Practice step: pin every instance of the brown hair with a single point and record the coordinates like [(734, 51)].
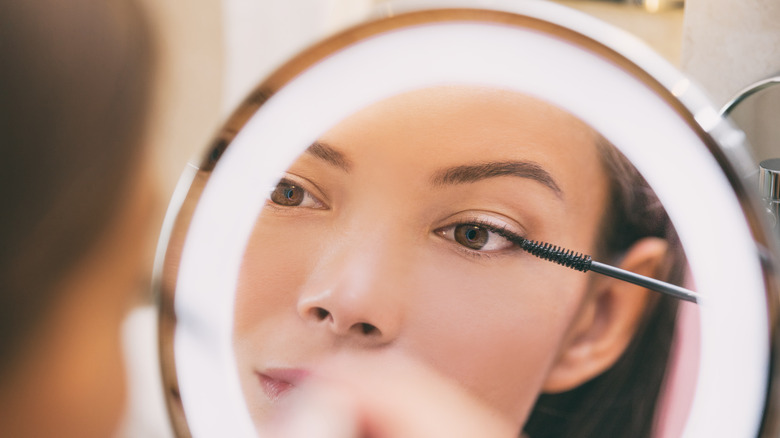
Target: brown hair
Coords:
[(622, 400), (74, 86)]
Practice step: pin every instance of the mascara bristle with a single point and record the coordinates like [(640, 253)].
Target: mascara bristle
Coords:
[(556, 254)]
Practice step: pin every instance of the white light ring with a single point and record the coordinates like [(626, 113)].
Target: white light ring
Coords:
[(729, 397)]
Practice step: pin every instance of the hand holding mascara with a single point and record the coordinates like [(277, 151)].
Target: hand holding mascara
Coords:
[(584, 263)]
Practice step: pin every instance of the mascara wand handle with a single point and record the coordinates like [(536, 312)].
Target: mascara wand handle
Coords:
[(641, 280)]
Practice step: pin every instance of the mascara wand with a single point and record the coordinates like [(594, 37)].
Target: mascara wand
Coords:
[(584, 263)]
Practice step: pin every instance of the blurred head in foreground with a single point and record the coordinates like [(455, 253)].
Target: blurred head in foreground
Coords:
[(74, 92)]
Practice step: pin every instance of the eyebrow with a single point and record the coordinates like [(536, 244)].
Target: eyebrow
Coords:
[(477, 172), (329, 155), (453, 175)]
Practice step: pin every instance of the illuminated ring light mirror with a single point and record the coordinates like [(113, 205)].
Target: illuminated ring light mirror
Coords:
[(693, 159)]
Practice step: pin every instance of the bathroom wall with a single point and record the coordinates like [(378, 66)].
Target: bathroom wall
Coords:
[(189, 94), (729, 44), (260, 36), (662, 30)]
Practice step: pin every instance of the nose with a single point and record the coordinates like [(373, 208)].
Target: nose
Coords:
[(356, 294)]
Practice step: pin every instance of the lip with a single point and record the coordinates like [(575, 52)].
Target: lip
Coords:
[(277, 382)]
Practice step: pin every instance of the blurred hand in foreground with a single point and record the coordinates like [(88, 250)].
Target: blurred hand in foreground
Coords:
[(384, 396)]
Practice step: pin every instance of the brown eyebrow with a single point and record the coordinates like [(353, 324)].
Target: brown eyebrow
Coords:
[(476, 172), (329, 155)]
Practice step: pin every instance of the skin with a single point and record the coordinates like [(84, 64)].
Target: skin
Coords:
[(70, 381), (368, 262)]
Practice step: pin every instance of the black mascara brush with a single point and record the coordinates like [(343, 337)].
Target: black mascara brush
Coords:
[(585, 263)]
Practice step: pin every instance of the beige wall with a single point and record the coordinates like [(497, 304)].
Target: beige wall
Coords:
[(729, 44), (187, 110), (661, 30)]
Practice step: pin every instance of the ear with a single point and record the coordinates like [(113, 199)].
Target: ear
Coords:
[(607, 320)]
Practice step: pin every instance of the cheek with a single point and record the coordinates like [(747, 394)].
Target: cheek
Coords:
[(496, 330), (273, 269), (275, 266)]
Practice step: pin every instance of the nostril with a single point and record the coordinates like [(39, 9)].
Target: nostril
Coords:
[(320, 313), (367, 329)]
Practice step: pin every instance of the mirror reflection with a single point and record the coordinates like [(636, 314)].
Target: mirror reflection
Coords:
[(395, 230)]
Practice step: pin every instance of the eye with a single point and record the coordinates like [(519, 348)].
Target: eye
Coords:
[(289, 194), (478, 237), (471, 236)]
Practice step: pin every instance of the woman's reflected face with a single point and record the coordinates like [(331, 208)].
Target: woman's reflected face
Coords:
[(391, 233)]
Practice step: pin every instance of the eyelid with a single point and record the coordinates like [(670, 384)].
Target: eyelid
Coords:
[(494, 221), (308, 184)]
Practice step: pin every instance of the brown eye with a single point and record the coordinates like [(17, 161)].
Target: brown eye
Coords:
[(287, 194), (471, 236)]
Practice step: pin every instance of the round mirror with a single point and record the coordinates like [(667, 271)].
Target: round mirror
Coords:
[(390, 189)]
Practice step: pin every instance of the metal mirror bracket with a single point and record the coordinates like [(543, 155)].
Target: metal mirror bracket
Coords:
[(768, 169), (747, 92)]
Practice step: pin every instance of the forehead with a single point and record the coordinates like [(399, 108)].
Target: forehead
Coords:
[(449, 126)]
